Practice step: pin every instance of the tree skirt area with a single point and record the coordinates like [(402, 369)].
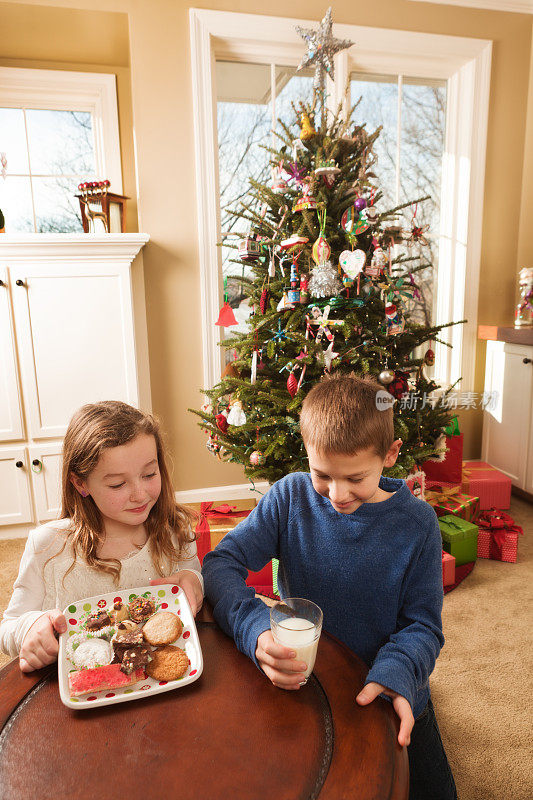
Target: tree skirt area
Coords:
[(482, 683)]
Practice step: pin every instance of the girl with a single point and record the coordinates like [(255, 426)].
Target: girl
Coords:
[(119, 526)]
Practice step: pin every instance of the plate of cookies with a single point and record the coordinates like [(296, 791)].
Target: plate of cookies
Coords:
[(127, 644)]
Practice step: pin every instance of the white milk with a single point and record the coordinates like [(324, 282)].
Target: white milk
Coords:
[(300, 635)]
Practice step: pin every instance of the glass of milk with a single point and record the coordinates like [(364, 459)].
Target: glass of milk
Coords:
[(297, 623)]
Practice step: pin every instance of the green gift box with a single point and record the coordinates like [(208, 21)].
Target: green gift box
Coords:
[(459, 538)]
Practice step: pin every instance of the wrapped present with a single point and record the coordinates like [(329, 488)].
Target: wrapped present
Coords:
[(447, 499), (450, 469), (448, 569), (218, 519), (489, 484), (459, 538), (498, 536), (416, 483)]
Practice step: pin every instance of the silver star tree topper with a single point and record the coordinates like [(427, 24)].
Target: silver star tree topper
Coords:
[(321, 47)]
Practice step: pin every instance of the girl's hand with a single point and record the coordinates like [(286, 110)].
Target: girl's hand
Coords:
[(401, 706), (190, 584), (279, 663), (40, 645)]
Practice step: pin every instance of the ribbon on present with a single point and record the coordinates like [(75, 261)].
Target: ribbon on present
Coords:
[(443, 494), (203, 531), (452, 429)]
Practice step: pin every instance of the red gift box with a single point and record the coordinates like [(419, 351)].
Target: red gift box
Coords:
[(448, 569), (216, 520), (489, 484), (449, 470), (448, 499), (498, 536)]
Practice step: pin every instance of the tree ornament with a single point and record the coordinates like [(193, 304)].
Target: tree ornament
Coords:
[(353, 223), (399, 385), (292, 384), (306, 201), (429, 358), (226, 317), (294, 292), (222, 421), (307, 131), (352, 262), (253, 368), (321, 250), (230, 371), (236, 415), (304, 290), (372, 215), (213, 445), (328, 170), (284, 304), (263, 300), (394, 320), (359, 204), (320, 318), (249, 249), (416, 233), (279, 184), (324, 281), (329, 356), (294, 242), (207, 408), (257, 459), (386, 376), (378, 263), (321, 48), (297, 171)]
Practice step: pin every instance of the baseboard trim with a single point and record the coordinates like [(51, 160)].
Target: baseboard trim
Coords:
[(237, 491)]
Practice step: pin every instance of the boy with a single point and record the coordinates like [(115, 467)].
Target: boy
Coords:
[(361, 547)]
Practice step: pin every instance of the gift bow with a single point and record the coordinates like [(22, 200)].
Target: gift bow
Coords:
[(498, 524), (203, 531), (441, 494)]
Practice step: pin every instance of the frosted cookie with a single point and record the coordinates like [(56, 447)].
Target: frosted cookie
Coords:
[(92, 653), (168, 663), (100, 679), (141, 608), (163, 628)]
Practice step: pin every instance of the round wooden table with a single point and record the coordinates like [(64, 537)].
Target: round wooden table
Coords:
[(230, 735)]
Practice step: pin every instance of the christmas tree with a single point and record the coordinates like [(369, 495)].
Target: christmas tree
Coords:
[(330, 291)]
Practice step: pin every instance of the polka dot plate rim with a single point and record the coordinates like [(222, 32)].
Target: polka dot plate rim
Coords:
[(167, 597)]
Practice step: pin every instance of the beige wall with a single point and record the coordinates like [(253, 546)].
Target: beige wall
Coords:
[(162, 114)]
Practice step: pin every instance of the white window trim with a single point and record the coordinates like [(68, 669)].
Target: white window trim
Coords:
[(518, 6), (464, 62), (61, 90)]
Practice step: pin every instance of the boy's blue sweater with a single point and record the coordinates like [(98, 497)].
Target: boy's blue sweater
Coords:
[(376, 574)]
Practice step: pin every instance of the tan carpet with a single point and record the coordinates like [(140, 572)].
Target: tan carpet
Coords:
[(482, 685)]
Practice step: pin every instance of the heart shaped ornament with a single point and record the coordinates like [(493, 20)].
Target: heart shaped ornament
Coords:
[(352, 262)]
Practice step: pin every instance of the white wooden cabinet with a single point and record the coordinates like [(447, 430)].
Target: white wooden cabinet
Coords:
[(507, 426), (72, 331)]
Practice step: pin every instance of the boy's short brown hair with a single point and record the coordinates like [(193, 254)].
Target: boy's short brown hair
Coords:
[(340, 415)]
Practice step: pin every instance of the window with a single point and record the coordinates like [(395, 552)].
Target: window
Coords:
[(443, 79), (56, 129)]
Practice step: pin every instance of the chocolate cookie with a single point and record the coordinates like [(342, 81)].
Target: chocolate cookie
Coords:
[(168, 663), (141, 608), (163, 628), (98, 620), (134, 658)]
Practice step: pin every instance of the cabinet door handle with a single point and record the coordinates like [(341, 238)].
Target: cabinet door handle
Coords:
[(19, 282), (36, 465), (19, 464), (527, 361)]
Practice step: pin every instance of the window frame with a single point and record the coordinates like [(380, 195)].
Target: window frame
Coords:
[(63, 90), (465, 64)]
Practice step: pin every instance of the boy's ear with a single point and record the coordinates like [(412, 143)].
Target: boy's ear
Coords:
[(393, 453)]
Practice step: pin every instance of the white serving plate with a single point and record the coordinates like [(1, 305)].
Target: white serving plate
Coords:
[(167, 597)]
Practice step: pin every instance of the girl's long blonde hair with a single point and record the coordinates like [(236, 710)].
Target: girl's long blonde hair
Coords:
[(94, 428)]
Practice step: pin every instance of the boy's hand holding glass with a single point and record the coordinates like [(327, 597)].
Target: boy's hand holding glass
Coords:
[(190, 584), (40, 645), (400, 704), (279, 663)]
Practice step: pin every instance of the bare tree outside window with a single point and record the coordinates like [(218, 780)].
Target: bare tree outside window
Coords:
[(48, 153)]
